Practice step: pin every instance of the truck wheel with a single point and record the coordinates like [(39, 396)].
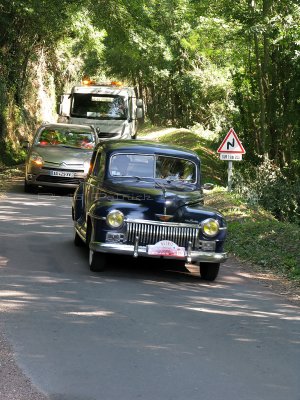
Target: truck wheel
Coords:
[(97, 261), (209, 271)]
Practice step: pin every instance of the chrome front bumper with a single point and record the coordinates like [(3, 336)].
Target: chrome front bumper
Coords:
[(141, 251)]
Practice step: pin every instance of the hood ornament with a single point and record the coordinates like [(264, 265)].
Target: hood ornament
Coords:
[(165, 217)]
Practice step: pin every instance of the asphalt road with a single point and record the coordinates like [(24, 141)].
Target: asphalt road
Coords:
[(135, 331)]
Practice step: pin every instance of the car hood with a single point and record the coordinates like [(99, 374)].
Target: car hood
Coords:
[(169, 199), (65, 155)]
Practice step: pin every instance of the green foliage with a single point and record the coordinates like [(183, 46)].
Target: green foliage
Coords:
[(9, 155), (255, 236), (158, 47), (268, 186), (273, 245)]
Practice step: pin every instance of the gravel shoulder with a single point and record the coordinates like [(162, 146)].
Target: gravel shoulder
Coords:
[(14, 385)]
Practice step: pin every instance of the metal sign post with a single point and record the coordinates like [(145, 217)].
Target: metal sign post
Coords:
[(231, 149), (230, 175)]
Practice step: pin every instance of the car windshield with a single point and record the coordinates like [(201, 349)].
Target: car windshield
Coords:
[(150, 166), (66, 137), (95, 106)]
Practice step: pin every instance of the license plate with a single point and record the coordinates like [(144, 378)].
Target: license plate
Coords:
[(64, 174), (166, 248)]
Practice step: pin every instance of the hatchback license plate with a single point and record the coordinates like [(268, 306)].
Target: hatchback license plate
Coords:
[(64, 174)]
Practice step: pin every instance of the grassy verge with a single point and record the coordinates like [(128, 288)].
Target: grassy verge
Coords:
[(253, 234), (256, 236)]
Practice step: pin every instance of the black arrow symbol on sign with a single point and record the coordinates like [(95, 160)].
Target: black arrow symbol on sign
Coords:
[(230, 144)]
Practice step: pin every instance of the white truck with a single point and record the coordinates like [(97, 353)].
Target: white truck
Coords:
[(112, 109)]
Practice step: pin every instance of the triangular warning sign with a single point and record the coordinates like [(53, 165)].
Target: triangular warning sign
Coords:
[(231, 144)]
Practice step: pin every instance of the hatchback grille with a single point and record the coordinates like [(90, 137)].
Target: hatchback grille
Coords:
[(58, 179), (152, 232), (60, 169)]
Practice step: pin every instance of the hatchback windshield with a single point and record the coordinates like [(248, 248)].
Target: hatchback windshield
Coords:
[(150, 166), (66, 137)]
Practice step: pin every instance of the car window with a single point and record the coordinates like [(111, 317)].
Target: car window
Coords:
[(174, 168), (141, 165), (66, 137), (151, 166)]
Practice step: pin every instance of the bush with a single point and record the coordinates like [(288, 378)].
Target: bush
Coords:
[(268, 186), (9, 155)]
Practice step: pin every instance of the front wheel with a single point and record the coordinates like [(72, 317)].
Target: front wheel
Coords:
[(77, 239), (29, 188), (209, 271), (97, 261)]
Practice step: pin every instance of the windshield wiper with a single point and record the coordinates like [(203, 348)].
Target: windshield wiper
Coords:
[(137, 178)]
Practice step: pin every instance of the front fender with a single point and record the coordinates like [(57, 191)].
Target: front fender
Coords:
[(78, 202), (100, 209)]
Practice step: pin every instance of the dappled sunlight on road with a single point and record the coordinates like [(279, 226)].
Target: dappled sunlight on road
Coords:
[(134, 313)]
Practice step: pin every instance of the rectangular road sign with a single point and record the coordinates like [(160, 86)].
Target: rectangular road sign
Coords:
[(231, 157)]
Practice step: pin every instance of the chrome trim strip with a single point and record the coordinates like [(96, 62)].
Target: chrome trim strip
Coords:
[(151, 222), (117, 248)]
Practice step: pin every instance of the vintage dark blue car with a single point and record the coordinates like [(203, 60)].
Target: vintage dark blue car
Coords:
[(146, 200)]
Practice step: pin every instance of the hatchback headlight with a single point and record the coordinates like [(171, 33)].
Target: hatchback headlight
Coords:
[(210, 227), (37, 160), (115, 218)]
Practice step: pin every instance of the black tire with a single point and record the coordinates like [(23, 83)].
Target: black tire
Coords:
[(77, 239), (97, 261), (209, 271), (29, 188)]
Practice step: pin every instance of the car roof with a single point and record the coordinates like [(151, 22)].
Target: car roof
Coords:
[(66, 126), (146, 147)]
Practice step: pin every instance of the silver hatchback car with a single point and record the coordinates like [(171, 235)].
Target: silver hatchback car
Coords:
[(59, 156)]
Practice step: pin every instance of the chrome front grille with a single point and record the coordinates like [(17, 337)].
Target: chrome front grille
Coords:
[(152, 232)]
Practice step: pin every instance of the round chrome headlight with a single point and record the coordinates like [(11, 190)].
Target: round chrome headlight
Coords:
[(115, 218), (210, 227)]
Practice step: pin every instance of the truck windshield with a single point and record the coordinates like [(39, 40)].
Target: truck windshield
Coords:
[(96, 106)]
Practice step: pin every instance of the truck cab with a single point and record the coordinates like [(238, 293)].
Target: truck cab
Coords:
[(111, 108)]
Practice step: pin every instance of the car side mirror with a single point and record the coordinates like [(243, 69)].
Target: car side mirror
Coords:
[(139, 103), (139, 113), (208, 186)]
